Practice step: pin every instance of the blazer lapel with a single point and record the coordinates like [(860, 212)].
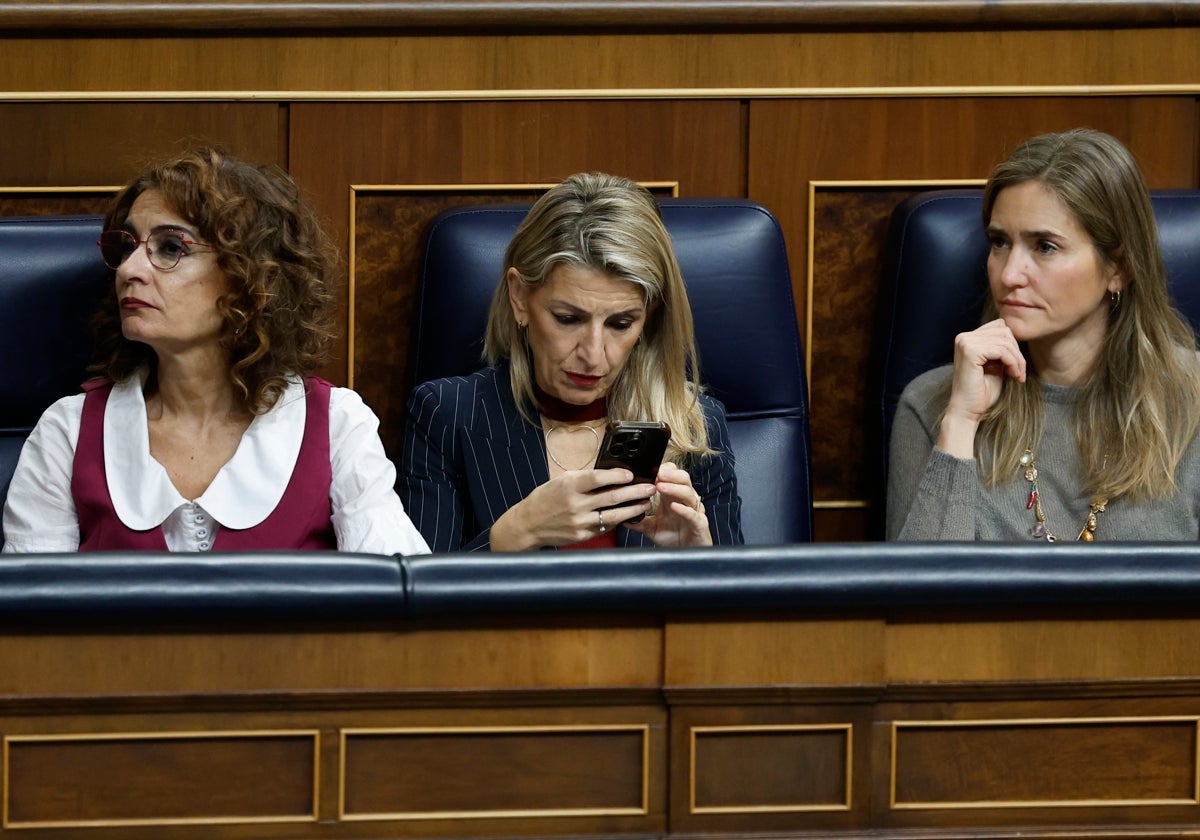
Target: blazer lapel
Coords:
[(505, 454)]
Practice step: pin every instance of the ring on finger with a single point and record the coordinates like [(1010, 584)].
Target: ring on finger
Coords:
[(603, 527)]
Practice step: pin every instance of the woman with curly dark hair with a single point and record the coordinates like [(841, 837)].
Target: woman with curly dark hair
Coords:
[(205, 427)]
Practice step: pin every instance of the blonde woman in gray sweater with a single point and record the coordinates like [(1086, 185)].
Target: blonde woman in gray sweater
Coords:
[(1072, 411)]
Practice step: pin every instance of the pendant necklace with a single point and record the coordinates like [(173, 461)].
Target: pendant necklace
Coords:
[(591, 459), (570, 418), (1040, 531)]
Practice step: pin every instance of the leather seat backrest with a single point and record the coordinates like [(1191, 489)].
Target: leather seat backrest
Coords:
[(51, 282), (734, 262), (935, 283)]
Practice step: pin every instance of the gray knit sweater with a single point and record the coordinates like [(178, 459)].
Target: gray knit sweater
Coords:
[(935, 496)]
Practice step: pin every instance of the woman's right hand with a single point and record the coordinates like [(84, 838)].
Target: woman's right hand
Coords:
[(565, 510), (982, 358)]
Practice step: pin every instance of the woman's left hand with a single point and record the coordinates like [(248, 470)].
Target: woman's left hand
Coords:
[(680, 519)]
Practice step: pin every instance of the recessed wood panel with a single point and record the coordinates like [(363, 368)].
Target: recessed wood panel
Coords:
[(495, 772), (140, 779), (849, 234), (760, 769), (1044, 763)]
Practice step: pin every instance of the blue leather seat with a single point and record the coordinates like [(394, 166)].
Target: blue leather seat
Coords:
[(51, 282), (935, 283), (734, 262)]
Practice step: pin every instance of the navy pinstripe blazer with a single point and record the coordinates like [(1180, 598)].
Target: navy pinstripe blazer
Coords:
[(469, 456)]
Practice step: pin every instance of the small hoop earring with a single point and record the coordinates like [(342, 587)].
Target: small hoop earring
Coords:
[(1115, 298)]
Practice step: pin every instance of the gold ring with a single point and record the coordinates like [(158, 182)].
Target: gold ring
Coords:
[(603, 527)]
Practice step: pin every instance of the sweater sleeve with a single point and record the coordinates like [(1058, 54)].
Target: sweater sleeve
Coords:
[(931, 495)]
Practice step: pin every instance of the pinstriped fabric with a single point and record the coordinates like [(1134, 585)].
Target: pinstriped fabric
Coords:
[(469, 456)]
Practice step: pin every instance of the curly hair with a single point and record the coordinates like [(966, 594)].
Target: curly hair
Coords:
[(279, 311)]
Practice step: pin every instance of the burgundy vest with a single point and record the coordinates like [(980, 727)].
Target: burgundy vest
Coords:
[(302, 519)]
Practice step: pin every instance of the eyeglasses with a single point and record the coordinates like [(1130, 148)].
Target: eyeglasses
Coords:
[(165, 248)]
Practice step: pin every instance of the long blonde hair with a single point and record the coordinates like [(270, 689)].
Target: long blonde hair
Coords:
[(1139, 407), (609, 224)]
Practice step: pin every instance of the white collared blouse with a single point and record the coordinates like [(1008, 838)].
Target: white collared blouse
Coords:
[(39, 515)]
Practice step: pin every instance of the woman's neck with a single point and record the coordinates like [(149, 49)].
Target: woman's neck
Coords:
[(560, 411), (197, 388), (1067, 360)]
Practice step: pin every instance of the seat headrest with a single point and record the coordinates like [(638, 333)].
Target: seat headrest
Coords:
[(734, 263), (935, 284), (52, 282)]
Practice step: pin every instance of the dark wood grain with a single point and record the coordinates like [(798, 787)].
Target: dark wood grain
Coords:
[(184, 15)]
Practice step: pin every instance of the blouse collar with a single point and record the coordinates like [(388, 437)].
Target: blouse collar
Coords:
[(243, 493)]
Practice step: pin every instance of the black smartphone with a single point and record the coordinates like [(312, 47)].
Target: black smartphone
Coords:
[(636, 445)]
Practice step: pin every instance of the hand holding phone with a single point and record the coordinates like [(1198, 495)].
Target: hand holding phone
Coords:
[(638, 446)]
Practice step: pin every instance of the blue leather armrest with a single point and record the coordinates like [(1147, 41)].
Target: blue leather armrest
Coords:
[(809, 577), (123, 585)]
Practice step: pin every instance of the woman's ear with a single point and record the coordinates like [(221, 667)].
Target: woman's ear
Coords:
[(1115, 278), (518, 296)]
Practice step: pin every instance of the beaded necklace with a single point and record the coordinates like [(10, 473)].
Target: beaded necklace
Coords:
[(1040, 531)]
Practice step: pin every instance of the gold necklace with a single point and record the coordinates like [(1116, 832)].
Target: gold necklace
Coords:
[(1040, 531), (570, 429)]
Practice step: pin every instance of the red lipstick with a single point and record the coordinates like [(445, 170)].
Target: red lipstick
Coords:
[(583, 380)]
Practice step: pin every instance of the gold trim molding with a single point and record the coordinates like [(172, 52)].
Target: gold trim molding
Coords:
[(245, 734), (898, 91), (1034, 722), (693, 808), (515, 813)]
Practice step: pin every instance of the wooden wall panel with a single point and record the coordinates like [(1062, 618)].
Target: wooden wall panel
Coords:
[(395, 65), (57, 144), (167, 779), (455, 658), (799, 764), (477, 773), (905, 140), (699, 144), (1066, 763), (771, 769)]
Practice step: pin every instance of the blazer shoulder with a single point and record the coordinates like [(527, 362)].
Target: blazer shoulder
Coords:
[(482, 398)]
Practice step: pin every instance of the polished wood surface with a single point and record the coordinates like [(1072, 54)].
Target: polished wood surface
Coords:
[(577, 14), (341, 67), (790, 724)]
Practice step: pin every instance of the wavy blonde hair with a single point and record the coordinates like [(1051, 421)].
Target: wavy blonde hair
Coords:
[(609, 224), (279, 311), (1139, 407)]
